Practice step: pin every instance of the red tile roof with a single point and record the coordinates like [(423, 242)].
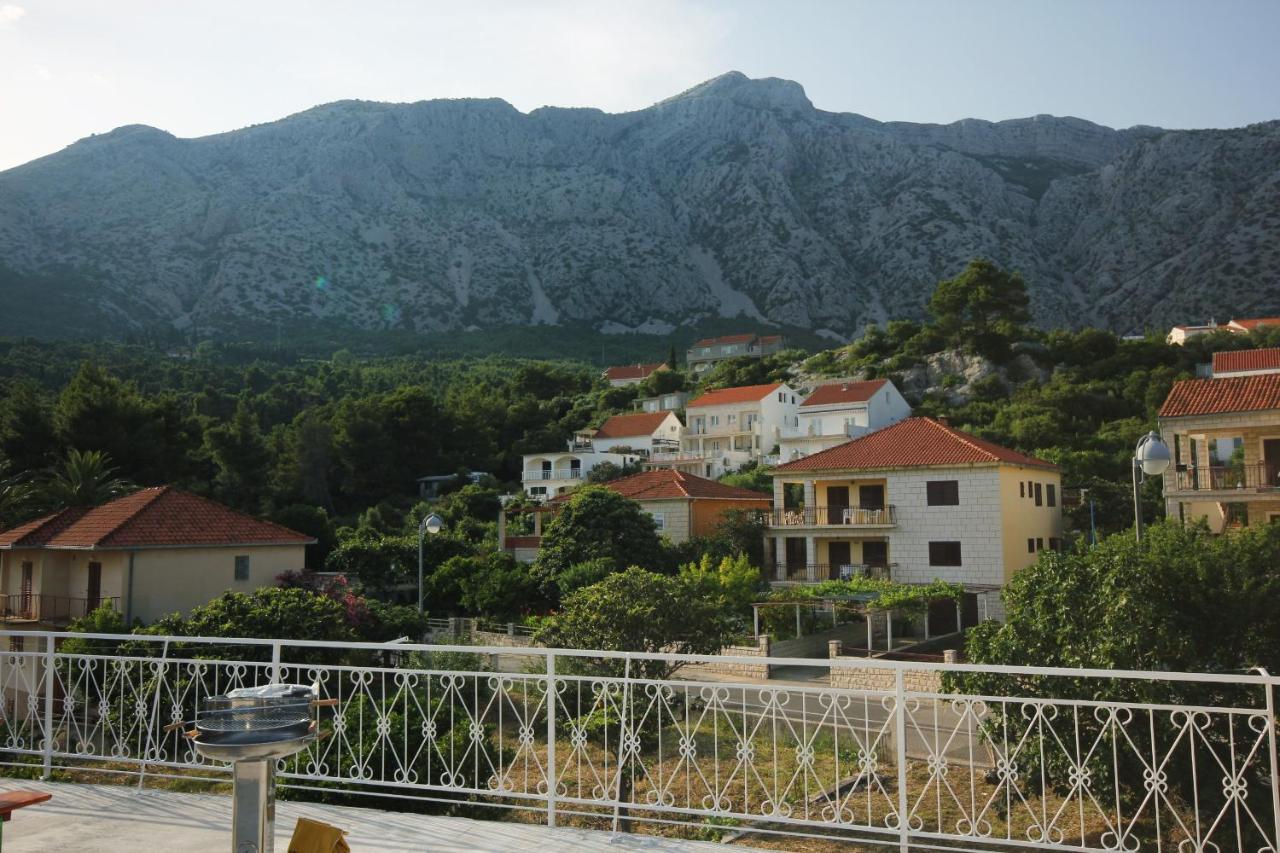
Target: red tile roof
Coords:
[(668, 484), (770, 339), (725, 340), (1255, 322), (151, 518), (912, 443), (844, 392), (627, 426), (631, 371), (1220, 396), (1244, 360), (743, 394)]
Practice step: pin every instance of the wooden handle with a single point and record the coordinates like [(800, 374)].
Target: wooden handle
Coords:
[(173, 727), (324, 733), (192, 733), (324, 703)]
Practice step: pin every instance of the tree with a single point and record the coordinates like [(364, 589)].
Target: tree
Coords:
[(1181, 600), (638, 611), (83, 479), (240, 452), (982, 309), (27, 435), (607, 471), (315, 522), (596, 523), (17, 499), (733, 581)]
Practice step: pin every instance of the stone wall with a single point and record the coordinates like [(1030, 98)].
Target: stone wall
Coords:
[(815, 644), (875, 678), (741, 670)]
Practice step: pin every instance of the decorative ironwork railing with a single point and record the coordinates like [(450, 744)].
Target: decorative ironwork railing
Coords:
[(881, 755), (37, 607)]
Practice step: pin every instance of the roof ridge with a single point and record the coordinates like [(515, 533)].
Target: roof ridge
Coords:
[(160, 491), (963, 437)]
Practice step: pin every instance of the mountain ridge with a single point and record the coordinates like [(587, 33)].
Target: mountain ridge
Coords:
[(736, 197)]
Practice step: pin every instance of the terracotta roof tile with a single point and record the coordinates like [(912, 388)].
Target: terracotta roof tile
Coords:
[(668, 484), (1220, 396), (724, 340), (912, 443), (743, 394), (1255, 322), (628, 426), (1246, 360), (844, 392), (631, 371), (156, 517)]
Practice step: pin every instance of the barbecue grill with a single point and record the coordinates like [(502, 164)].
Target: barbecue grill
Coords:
[(251, 729)]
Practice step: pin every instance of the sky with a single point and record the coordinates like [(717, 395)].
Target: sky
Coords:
[(69, 68)]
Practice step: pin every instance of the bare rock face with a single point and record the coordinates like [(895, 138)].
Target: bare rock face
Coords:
[(735, 198)]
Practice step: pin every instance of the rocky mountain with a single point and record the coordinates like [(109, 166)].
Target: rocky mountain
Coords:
[(735, 198)]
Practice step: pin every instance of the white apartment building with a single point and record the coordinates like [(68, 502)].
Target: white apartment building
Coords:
[(838, 411), (546, 475), (645, 432), (914, 502), (732, 426)]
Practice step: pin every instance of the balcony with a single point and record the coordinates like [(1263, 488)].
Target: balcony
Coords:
[(1257, 477), (832, 516), (563, 474), (820, 572), (721, 430), (35, 607), (678, 456)]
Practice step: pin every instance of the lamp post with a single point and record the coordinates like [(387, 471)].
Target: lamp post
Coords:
[(431, 524), (1150, 459)]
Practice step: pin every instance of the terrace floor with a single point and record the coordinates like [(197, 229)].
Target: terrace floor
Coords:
[(84, 818)]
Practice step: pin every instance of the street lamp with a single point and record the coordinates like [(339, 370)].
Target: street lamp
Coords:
[(431, 524), (1150, 459)]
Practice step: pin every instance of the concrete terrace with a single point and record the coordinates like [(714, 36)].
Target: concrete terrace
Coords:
[(108, 818)]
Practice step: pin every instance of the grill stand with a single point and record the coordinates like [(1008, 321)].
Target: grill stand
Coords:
[(253, 807)]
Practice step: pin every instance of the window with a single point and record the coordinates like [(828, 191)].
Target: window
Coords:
[(782, 398), (715, 445), (733, 419), (1022, 489), (1237, 515), (1039, 544), (942, 492), (1055, 544), (242, 567), (1030, 488), (1031, 546), (944, 553), (1039, 495), (793, 399), (659, 521), (538, 490), (715, 420), (1051, 494)]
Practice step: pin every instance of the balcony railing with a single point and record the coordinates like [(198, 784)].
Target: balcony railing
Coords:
[(832, 516), (36, 607), (752, 428), (563, 474), (1262, 476), (879, 752), (819, 572), (677, 456)]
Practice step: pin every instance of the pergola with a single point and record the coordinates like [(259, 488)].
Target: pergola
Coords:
[(863, 605)]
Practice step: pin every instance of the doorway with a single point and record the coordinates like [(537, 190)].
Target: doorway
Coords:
[(875, 554), (837, 503), (1271, 460), (838, 554), (94, 592)]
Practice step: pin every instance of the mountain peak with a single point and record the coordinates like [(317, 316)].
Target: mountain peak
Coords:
[(761, 93)]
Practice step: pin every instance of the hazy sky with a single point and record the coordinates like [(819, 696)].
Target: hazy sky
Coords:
[(69, 68)]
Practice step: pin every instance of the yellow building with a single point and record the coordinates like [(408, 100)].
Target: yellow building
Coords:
[(1225, 438), (148, 554), (915, 502)]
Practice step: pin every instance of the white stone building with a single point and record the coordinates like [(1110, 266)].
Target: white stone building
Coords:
[(914, 502), (732, 426), (645, 432), (546, 475), (839, 411)]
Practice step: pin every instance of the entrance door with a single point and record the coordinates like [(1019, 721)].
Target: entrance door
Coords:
[(796, 555), (28, 573), (1271, 456), (837, 503), (876, 553), (838, 554), (871, 497), (94, 592)]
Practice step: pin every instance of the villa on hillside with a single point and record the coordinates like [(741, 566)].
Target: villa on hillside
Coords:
[(631, 374), (1180, 334), (708, 352), (729, 427), (838, 411), (682, 505), (1249, 362), (914, 502), (1224, 434), (545, 475), (644, 432), (670, 402), (147, 554)]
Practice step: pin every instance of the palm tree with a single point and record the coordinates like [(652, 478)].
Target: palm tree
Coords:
[(82, 479), (17, 499)]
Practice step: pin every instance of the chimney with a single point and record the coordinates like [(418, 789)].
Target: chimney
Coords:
[(944, 420)]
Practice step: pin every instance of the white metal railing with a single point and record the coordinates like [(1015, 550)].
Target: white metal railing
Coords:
[(895, 760)]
